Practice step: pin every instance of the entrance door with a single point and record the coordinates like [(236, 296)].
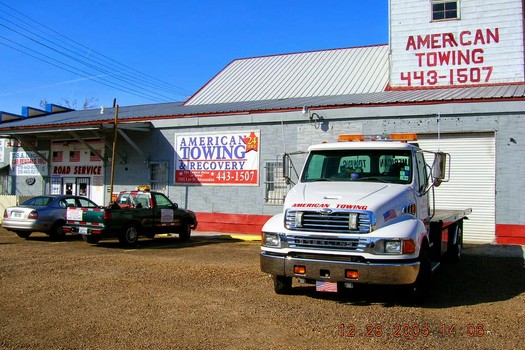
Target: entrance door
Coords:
[(68, 185), (82, 184)]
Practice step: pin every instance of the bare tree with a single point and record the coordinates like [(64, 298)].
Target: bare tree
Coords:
[(89, 103)]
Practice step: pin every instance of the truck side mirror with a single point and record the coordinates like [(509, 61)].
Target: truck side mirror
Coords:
[(439, 168), (286, 168)]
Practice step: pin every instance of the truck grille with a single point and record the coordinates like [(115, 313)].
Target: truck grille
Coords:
[(331, 221), (327, 243)]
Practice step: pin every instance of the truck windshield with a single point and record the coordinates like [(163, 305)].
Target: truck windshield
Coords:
[(389, 166)]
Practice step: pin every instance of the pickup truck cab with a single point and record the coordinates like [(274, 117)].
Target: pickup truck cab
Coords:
[(133, 214)]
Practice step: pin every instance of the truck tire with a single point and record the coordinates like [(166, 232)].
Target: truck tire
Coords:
[(129, 236), (185, 232), (91, 239), (455, 246), (282, 284), (420, 288)]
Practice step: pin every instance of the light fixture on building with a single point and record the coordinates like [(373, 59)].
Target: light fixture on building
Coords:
[(305, 110)]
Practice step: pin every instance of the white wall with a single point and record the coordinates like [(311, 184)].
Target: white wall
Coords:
[(425, 53)]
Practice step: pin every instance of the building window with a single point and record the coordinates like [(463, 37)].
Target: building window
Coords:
[(276, 186), (159, 176), (56, 185), (444, 10)]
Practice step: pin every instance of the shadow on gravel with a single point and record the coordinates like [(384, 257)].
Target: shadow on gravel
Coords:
[(164, 243), (41, 237), (477, 279)]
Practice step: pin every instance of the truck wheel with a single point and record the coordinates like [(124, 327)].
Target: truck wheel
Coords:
[(282, 284), (91, 239), (455, 249), (23, 234), (185, 232), (421, 287), (57, 231), (129, 236)]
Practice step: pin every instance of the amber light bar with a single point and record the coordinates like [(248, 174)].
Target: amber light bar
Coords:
[(384, 137)]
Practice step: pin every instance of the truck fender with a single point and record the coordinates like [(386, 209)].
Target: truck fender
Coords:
[(405, 227), (274, 224)]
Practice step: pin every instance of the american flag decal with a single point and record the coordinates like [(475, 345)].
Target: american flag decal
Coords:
[(330, 287), (389, 215)]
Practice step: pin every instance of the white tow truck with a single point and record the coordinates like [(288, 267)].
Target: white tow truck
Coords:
[(360, 214)]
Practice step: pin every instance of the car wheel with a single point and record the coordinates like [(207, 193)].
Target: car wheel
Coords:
[(91, 239), (129, 236), (185, 232), (57, 231), (23, 234)]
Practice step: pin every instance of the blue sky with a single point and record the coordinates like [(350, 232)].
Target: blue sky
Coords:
[(163, 51)]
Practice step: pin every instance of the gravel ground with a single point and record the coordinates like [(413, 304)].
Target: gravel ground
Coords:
[(209, 294)]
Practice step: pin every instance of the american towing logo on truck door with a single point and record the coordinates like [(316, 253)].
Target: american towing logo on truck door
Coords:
[(230, 158)]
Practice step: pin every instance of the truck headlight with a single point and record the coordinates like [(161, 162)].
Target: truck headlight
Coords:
[(395, 246), (271, 239)]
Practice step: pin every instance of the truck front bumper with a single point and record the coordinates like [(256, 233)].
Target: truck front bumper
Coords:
[(324, 269)]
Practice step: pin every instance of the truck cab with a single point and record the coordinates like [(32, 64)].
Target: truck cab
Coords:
[(359, 213)]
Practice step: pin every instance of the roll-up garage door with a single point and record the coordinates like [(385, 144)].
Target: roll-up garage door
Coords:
[(472, 180)]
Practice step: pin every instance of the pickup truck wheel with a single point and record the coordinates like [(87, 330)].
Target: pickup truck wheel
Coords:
[(91, 239), (129, 236), (282, 284), (23, 234), (185, 232)]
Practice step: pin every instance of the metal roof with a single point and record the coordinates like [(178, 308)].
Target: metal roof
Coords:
[(319, 73), (144, 113)]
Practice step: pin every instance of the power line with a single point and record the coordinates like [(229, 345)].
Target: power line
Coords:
[(100, 63), (64, 66), (88, 64)]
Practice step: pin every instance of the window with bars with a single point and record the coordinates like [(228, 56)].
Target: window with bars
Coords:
[(159, 176), (276, 186), (444, 10), (56, 185)]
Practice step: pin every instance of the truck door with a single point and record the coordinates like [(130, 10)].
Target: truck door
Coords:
[(164, 214), (422, 200)]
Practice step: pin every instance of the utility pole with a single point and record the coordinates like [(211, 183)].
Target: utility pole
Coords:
[(115, 134)]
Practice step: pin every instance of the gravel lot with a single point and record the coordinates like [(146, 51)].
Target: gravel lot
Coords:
[(208, 293)]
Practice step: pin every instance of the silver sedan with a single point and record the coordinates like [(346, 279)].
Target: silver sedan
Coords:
[(45, 214)]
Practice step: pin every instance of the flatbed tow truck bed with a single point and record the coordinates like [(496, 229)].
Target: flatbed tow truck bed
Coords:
[(445, 217)]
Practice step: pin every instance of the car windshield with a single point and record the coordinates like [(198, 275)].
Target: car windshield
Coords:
[(388, 166), (39, 201)]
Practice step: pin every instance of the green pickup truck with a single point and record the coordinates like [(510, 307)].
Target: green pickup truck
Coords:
[(133, 214)]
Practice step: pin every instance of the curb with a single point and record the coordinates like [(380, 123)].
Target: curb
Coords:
[(242, 237)]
